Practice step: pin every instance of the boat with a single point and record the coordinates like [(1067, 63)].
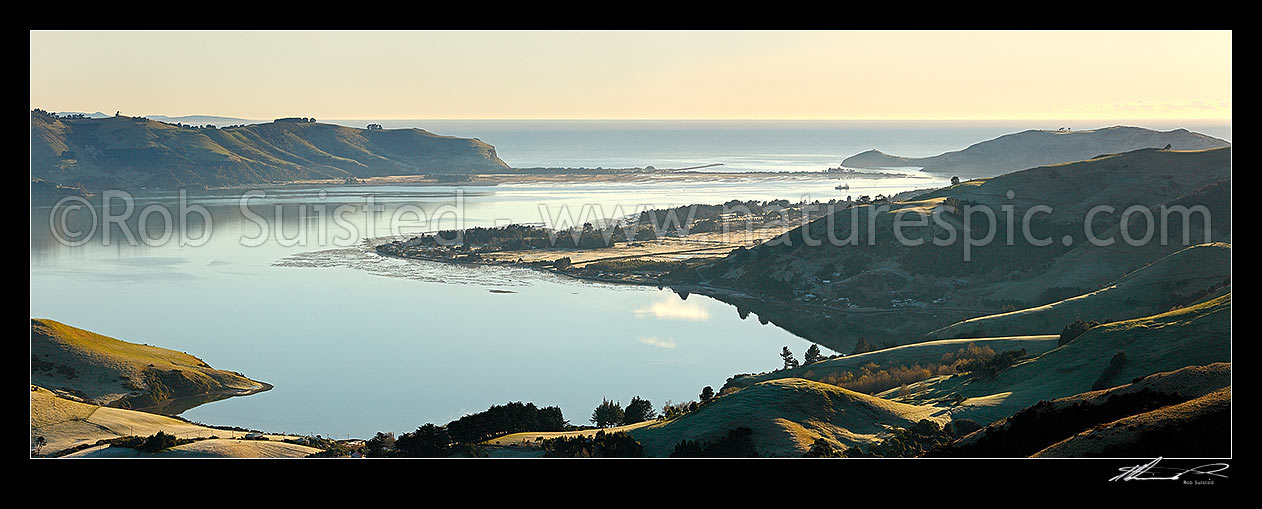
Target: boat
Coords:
[(842, 187)]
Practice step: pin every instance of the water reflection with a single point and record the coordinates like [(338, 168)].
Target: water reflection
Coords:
[(668, 344), (669, 308)]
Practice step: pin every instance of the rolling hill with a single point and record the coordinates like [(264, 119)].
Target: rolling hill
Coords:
[(68, 425), (1049, 427), (131, 152), (1109, 355), (1156, 287), (105, 371), (787, 415), (829, 281), (1028, 149)]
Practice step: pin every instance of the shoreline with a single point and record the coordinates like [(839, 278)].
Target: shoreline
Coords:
[(183, 404), (575, 177)]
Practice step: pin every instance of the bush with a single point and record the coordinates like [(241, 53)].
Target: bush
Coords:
[(153, 443), (500, 420), (602, 445), (1110, 371), (1073, 330), (739, 443), (687, 449), (986, 368), (823, 449), (962, 427)]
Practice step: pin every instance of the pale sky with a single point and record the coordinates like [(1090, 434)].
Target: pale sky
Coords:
[(638, 75)]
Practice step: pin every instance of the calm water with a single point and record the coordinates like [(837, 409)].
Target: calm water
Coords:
[(355, 343), (761, 145)]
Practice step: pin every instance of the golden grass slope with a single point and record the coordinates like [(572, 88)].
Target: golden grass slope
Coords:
[(1143, 292), (1192, 336), (787, 416), (65, 424), (108, 371), (211, 448)]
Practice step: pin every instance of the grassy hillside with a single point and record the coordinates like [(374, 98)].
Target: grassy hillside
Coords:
[(1154, 288), (1038, 427), (1032, 148), (1192, 336), (1197, 428), (130, 152), (107, 371), (1088, 267), (787, 416), (842, 271), (65, 424)]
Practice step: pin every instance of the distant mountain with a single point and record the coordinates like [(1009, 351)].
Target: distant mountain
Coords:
[(127, 152), (1028, 149)]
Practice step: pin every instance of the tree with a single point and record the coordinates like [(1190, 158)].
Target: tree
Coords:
[(862, 347), (1073, 330), (380, 445), (821, 448), (789, 361), (39, 443), (428, 441), (158, 441), (608, 413), (813, 355), (707, 394), (638, 410), (687, 449)]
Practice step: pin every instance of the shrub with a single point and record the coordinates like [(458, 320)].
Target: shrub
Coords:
[(687, 449), (1110, 371), (1073, 330), (821, 448), (602, 445), (989, 367)]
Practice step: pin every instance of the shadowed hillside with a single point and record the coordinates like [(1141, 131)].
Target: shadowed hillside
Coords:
[(850, 275), (1032, 148), (131, 152), (1177, 279), (1109, 355), (1048, 422)]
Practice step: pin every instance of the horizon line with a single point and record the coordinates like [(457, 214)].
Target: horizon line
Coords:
[(732, 119)]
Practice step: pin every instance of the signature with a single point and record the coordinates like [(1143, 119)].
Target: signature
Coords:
[(1151, 472)]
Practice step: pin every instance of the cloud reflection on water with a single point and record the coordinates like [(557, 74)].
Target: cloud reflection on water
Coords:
[(670, 308)]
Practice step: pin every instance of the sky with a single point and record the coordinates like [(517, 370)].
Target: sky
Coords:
[(843, 75)]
